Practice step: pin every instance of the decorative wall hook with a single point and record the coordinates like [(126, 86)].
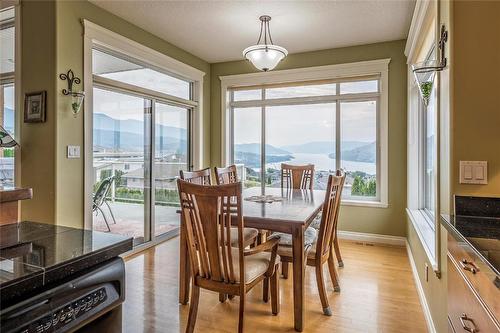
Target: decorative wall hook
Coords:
[(424, 71), (76, 97)]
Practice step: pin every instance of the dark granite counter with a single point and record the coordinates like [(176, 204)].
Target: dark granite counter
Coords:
[(36, 256)]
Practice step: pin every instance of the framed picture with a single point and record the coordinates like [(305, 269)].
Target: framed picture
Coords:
[(34, 107)]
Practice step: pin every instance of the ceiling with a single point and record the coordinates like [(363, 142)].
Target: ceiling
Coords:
[(218, 31)]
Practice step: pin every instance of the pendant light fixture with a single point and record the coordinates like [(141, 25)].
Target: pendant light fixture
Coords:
[(265, 56)]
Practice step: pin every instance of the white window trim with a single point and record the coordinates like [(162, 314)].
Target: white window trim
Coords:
[(97, 35), (363, 68), (424, 12), (18, 96)]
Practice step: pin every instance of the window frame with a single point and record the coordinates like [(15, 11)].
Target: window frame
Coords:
[(421, 43), (96, 37), (358, 71), (15, 78)]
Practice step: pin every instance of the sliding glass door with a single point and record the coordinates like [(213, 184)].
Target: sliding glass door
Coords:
[(171, 156), (121, 143), (141, 140)]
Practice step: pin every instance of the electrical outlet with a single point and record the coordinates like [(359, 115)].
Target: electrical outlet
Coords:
[(426, 272)]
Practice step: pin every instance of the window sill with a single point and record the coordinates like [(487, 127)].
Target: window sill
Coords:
[(360, 203), (422, 225)]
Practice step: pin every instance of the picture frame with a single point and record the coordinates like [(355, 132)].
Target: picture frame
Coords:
[(34, 107)]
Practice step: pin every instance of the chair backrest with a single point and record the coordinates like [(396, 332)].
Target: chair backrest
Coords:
[(200, 177), (329, 217), (102, 191), (227, 175), (208, 212), (297, 176)]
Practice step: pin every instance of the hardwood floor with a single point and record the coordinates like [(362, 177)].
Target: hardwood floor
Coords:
[(378, 295)]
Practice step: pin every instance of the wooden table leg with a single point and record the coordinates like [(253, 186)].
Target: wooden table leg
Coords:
[(298, 277), (184, 271)]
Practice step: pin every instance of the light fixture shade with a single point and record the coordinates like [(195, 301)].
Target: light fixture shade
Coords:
[(265, 57), (6, 140)]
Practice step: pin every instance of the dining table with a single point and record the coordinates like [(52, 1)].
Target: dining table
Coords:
[(288, 211)]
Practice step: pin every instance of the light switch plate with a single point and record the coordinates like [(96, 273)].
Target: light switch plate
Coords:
[(473, 172), (73, 152)]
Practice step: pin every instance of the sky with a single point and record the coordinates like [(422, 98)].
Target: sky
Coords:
[(121, 106)]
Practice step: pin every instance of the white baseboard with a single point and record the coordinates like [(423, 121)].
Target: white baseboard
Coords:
[(420, 291), (372, 238)]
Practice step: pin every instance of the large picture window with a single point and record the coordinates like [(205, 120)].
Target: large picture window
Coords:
[(332, 124)]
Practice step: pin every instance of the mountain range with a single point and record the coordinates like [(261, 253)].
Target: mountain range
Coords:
[(128, 134)]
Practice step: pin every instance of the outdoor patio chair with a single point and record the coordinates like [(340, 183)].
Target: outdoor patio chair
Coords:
[(100, 198)]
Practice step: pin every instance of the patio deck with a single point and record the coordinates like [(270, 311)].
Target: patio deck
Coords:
[(130, 219)]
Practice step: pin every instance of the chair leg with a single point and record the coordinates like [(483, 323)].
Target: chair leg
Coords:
[(333, 273), (242, 312), (275, 292), (222, 297), (337, 251), (110, 211), (284, 269), (265, 290), (322, 291), (193, 308), (105, 219)]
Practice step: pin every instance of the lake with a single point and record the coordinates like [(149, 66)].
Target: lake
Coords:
[(323, 162)]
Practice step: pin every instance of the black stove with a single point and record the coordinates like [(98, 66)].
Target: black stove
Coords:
[(56, 279)]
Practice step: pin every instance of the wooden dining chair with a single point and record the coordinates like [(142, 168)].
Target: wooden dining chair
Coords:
[(317, 223), (297, 176), (208, 213), (321, 249), (200, 177), (227, 175), (203, 177)]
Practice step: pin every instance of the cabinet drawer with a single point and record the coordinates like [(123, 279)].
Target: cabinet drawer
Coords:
[(465, 310), (479, 275)]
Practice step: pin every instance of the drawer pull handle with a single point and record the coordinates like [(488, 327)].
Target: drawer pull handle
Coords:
[(469, 266), (463, 319)]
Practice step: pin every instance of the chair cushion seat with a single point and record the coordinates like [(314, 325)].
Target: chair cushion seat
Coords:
[(255, 265), (310, 236), (249, 235), (287, 251), (316, 223)]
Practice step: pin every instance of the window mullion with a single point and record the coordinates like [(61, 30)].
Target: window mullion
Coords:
[(337, 130), (263, 144)]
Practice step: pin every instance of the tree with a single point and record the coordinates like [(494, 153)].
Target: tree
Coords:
[(357, 186)]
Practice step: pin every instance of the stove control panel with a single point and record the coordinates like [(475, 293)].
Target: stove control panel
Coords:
[(66, 314)]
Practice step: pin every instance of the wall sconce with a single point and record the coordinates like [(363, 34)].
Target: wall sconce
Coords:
[(76, 97), (425, 71)]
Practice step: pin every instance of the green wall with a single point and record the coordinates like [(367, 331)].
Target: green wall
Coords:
[(476, 115), (388, 221), (38, 140), (52, 38)]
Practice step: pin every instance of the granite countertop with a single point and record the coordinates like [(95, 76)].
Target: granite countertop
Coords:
[(35, 256)]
